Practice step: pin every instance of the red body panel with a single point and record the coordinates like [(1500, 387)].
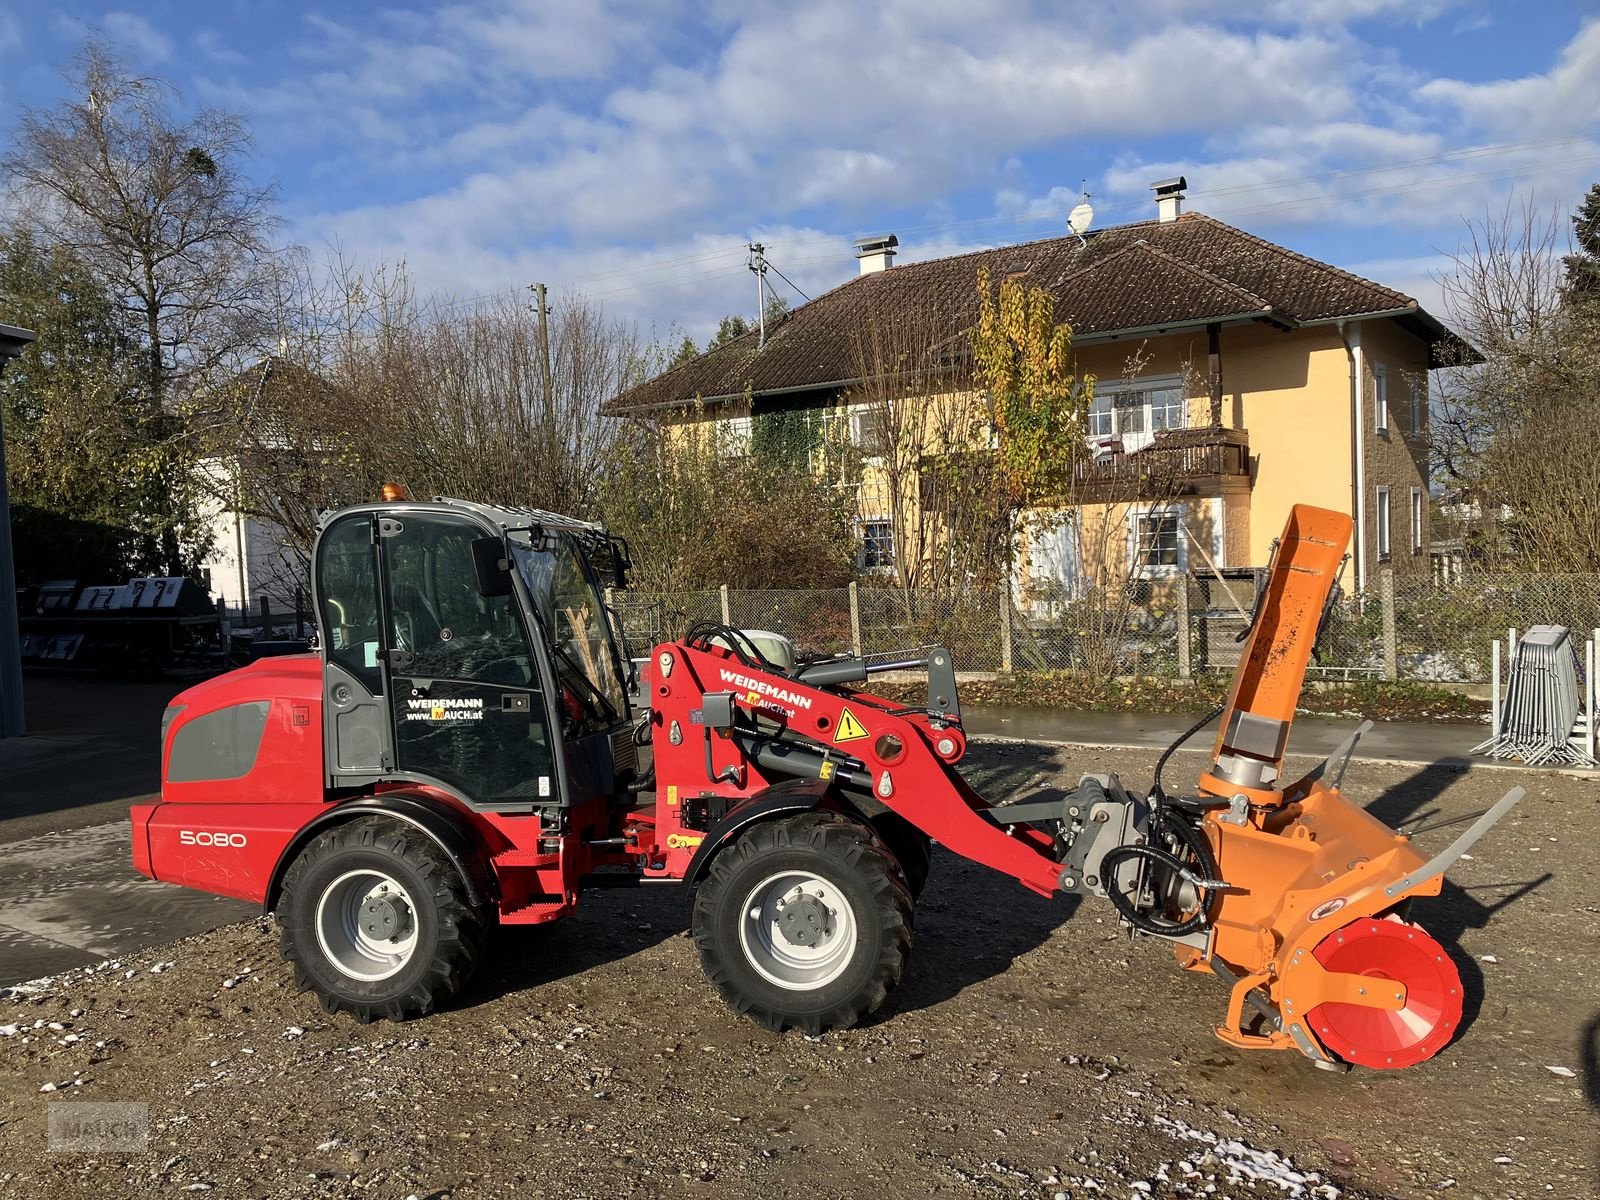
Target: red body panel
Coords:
[(230, 849), (226, 835), (288, 765)]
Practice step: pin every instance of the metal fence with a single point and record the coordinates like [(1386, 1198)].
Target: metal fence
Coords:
[(1403, 628)]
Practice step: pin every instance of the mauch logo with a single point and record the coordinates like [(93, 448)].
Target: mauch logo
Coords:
[(118, 1128), (453, 708)]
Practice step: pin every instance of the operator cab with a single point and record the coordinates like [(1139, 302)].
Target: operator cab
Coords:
[(469, 647)]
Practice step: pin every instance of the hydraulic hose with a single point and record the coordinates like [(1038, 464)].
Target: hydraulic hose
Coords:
[(1128, 909)]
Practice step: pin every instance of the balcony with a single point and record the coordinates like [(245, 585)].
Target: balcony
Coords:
[(1205, 461)]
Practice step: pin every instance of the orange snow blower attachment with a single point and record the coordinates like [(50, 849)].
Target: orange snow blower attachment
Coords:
[(1309, 927)]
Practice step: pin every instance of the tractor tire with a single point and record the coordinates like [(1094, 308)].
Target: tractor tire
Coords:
[(804, 922), (911, 848), (376, 922)]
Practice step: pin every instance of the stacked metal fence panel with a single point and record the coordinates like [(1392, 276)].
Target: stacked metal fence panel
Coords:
[(1543, 703)]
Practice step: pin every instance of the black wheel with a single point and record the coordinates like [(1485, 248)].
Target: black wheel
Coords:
[(910, 847), (376, 921), (804, 922)]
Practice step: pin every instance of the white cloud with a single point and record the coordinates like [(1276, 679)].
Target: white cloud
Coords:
[(512, 139), (210, 43), (1417, 276), (137, 35), (1561, 100), (1343, 12)]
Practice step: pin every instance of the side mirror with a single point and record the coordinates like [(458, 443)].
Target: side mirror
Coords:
[(491, 566)]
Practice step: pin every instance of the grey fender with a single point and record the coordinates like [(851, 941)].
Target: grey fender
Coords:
[(781, 799), (454, 837)]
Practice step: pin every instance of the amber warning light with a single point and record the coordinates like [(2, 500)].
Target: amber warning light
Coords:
[(392, 491)]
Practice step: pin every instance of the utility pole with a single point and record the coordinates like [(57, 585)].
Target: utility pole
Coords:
[(538, 290), (758, 266), (12, 343)]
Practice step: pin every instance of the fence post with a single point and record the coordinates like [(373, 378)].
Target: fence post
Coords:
[(1005, 623), (1386, 596), (1185, 669), (727, 611), (1594, 696), (855, 620), (266, 617), (1494, 690)]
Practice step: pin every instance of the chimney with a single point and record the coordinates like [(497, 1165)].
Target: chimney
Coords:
[(876, 253), (1169, 197)]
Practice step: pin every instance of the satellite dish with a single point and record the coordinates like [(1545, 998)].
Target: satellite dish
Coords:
[(1079, 219)]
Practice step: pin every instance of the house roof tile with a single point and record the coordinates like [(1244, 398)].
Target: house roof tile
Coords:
[(1145, 276)]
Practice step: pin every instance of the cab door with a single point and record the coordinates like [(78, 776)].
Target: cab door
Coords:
[(466, 705)]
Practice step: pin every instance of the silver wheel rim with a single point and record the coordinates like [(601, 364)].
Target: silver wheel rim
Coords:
[(345, 920), (769, 948)]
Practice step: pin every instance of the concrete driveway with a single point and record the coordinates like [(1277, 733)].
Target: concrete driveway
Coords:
[(68, 892)]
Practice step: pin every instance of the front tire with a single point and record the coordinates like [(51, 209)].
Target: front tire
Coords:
[(376, 922), (804, 922)]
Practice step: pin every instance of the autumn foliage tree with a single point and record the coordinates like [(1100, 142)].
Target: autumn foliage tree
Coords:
[(1039, 405)]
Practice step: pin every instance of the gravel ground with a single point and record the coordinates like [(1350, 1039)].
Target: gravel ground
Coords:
[(1025, 1055)]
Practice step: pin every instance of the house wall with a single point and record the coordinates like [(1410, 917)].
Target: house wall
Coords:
[(271, 567), (1397, 459), (1290, 391)]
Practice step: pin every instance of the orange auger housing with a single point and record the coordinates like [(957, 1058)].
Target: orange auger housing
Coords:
[(1310, 931)]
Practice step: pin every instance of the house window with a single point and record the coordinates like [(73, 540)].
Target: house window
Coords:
[(1416, 520), (877, 545), (1380, 398), (1417, 390), (733, 437), (1120, 409), (1383, 524), (869, 428), (1157, 542)]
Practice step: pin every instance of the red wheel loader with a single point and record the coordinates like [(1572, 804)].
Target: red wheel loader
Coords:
[(472, 745)]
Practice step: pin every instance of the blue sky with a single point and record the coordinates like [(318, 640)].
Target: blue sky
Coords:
[(628, 149)]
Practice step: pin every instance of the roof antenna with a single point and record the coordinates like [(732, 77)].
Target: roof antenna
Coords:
[(1079, 219)]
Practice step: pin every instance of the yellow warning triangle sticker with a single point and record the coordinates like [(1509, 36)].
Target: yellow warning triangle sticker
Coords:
[(850, 729)]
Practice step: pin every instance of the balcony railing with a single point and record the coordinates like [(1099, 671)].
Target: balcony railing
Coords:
[(1176, 462)]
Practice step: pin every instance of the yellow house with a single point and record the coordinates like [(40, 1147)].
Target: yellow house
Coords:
[(1235, 378)]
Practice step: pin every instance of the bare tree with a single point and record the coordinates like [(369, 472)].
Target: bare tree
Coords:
[(1512, 432), (160, 208)]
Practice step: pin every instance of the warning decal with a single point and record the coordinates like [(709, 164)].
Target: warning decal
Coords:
[(850, 729)]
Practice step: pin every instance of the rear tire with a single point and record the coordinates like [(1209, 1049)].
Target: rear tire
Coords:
[(376, 922), (804, 923)]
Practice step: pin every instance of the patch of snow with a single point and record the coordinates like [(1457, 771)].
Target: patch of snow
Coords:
[(1245, 1164)]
